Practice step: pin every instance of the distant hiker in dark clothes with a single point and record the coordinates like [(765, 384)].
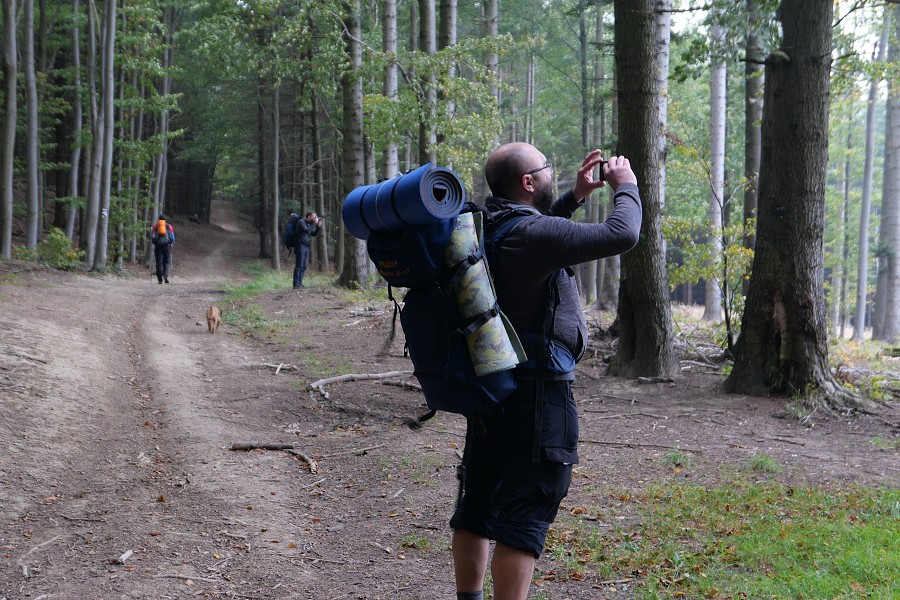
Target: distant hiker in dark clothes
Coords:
[(304, 228), (162, 235), (518, 459)]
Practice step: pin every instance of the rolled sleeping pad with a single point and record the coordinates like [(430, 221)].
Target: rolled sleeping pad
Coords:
[(494, 346), (421, 197)]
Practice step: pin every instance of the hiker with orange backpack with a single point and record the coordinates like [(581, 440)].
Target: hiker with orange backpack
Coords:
[(162, 235)]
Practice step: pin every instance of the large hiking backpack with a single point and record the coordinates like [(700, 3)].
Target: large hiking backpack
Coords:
[(160, 235), (290, 231), (456, 334)]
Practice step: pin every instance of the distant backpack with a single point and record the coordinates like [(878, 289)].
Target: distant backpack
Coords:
[(160, 235), (437, 335), (290, 232)]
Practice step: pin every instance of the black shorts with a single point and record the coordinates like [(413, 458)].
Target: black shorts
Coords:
[(507, 497)]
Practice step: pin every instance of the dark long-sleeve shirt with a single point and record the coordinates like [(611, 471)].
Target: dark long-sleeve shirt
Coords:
[(540, 245), (303, 230)]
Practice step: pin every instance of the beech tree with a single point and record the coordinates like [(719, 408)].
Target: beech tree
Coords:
[(862, 274), (886, 325), (646, 345), (783, 344), (355, 269), (8, 129)]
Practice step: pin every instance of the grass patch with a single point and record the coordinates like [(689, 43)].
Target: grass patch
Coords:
[(883, 444), (252, 317), (744, 539), (678, 458), (763, 463), (262, 279), (316, 365)]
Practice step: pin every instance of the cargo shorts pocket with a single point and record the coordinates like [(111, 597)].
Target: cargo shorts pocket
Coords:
[(559, 431)]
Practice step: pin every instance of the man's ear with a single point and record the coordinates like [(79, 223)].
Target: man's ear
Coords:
[(528, 182)]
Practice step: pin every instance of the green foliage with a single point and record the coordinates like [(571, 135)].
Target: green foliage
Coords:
[(55, 250), (742, 539)]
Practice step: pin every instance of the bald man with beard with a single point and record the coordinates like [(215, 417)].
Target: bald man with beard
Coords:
[(518, 459)]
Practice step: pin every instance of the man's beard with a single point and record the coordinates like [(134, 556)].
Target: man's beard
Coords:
[(544, 199)]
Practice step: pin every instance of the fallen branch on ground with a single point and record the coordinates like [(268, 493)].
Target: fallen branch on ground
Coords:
[(625, 415), (636, 445), (289, 448), (655, 380), (319, 385), (281, 367)]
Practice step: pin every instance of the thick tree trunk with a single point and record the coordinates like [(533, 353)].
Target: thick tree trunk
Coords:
[(355, 271), (646, 344), (783, 345), (887, 292), (8, 131)]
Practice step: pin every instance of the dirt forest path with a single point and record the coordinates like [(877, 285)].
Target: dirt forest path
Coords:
[(118, 410)]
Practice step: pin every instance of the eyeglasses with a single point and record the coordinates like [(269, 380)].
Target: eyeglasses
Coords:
[(533, 171)]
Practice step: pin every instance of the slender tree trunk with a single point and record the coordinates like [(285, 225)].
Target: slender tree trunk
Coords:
[(32, 155), (887, 293), (529, 100), (783, 345), (77, 121), (355, 271), (712, 310), (8, 131), (585, 82), (753, 86), (319, 187), (92, 210), (108, 72), (646, 344), (390, 161), (428, 45), (491, 10), (663, 36), (842, 281), (276, 176), (862, 270), (262, 216), (447, 39)]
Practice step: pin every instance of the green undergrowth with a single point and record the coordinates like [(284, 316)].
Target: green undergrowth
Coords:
[(740, 539), (262, 279)]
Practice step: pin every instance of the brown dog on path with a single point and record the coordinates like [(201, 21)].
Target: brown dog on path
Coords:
[(213, 318)]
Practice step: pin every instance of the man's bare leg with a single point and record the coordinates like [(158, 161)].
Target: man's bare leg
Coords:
[(470, 554), (511, 571)]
